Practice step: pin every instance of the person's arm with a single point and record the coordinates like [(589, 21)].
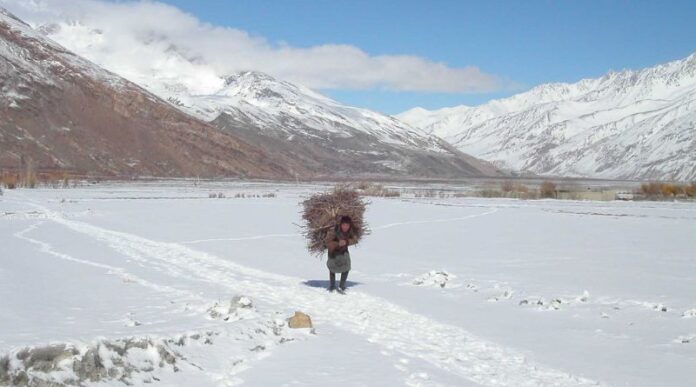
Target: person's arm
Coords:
[(330, 241)]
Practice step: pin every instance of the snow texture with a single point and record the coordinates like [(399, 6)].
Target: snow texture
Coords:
[(547, 293)]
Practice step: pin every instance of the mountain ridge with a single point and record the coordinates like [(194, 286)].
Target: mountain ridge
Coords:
[(62, 112), (631, 124), (271, 128)]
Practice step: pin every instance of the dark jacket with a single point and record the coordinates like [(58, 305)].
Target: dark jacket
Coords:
[(332, 238)]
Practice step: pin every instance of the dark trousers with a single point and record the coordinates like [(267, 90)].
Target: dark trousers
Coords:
[(342, 284)]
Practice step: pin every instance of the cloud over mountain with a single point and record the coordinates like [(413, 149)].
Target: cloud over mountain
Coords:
[(138, 38)]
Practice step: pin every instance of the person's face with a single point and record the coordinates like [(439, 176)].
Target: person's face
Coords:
[(345, 227)]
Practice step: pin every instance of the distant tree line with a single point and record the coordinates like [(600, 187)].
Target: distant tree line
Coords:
[(668, 190)]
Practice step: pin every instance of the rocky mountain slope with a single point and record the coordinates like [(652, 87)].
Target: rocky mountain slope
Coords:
[(63, 112), (287, 120), (624, 125), (338, 139)]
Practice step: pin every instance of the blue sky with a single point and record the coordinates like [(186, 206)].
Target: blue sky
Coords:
[(523, 43)]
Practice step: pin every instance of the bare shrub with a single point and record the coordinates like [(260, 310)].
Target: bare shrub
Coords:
[(521, 188), (29, 178), (372, 189), (666, 190), (690, 190), (511, 189), (547, 189), (669, 190), (10, 181), (651, 189), (363, 185), (490, 193), (529, 195)]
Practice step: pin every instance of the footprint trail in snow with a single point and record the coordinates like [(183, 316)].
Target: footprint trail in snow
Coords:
[(447, 347)]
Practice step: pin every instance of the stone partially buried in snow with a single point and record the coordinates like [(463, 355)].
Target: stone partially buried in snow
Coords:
[(240, 307), (300, 320), (104, 361), (436, 278)]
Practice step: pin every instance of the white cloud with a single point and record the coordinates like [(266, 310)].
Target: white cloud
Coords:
[(150, 39)]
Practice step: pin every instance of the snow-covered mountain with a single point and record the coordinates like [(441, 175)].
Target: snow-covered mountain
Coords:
[(626, 125), (345, 140), (291, 109), (62, 112), (326, 137)]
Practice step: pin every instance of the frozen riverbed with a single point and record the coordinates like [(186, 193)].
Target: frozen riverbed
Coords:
[(444, 291)]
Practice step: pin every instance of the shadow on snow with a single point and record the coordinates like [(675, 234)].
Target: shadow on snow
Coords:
[(325, 283)]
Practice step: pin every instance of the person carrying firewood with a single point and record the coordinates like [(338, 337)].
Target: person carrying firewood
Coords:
[(337, 242), (333, 221)]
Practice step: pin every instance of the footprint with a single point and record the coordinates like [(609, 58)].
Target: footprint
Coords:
[(541, 303), (130, 321), (434, 278), (506, 295), (660, 308), (584, 298), (686, 339)]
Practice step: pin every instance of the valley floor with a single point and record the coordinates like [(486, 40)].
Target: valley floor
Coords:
[(158, 282)]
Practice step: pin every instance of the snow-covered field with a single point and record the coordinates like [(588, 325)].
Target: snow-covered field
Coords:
[(157, 282)]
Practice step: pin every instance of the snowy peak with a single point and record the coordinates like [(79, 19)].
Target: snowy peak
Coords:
[(62, 112), (632, 124), (250, 78), (422, 118), (42, 58), (279, 106), (354, 140), (257, 86)]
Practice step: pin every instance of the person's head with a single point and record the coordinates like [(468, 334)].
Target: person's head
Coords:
[(346, 223)]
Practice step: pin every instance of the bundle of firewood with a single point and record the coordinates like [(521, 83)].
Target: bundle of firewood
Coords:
[(323, 211)]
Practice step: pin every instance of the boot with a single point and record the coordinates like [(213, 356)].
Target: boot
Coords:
[(344, 278), (332, 281)]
